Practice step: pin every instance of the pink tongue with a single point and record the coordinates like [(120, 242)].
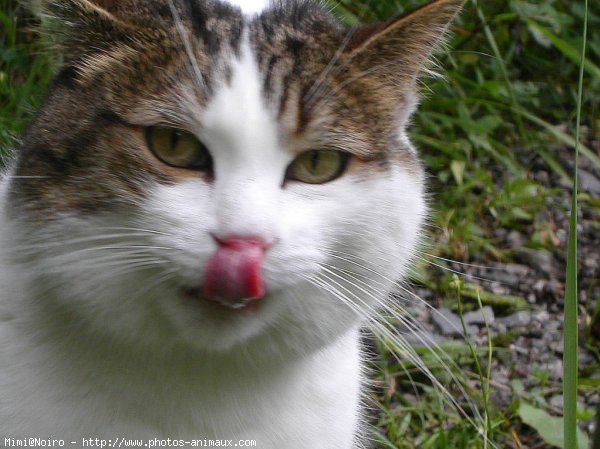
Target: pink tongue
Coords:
[(233, 272)]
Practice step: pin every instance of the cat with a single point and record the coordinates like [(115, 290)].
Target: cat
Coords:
[(213, 199)]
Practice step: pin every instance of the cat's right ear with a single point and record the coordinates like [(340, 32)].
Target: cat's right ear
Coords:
[(397, 50), (77, 28)]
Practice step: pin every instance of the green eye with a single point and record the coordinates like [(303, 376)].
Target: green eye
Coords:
[(318, 166), (178, 148)]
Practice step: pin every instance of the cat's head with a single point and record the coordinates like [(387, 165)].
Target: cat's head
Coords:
[(191, 154)]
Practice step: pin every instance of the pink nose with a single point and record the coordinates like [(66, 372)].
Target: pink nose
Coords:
[(233, 274)]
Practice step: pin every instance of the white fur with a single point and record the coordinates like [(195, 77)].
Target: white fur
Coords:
[(92, 350)]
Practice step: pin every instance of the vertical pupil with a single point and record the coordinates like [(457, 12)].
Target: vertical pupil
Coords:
[(174, 139), (314, 160)]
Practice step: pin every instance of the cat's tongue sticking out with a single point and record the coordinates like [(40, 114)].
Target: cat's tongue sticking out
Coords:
[(233, 274)]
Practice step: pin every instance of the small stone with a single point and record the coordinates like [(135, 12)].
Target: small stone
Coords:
[(585, 358), (480, 316), (591, 263), (515, 239), (537, 334), (594, 399), (589, 183), (555, 369), (521, 371), (497, 288), (540, 259), (508, 274), (557, 401), (562, 235), (539, 285), (421, 338), (558, 347), (447, 322), (518, 319), (541, 316), (499, 232), (500, 328), (553, 327), (473, 330), (543, 177)]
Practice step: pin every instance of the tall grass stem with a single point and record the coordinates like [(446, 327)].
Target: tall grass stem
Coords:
[(570, 353)]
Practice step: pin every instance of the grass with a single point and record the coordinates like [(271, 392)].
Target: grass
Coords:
[(510, 101), (510, 97), (570, 360), (24, 72)]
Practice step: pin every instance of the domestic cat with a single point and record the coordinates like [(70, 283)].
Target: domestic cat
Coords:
[(212, 201)]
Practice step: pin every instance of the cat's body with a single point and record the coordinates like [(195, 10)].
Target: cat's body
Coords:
[(114, 319)]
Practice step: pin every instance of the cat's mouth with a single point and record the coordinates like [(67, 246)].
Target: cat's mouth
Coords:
[(196, 294), (233, 276)]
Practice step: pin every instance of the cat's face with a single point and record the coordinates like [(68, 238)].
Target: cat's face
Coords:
[(176, 126)]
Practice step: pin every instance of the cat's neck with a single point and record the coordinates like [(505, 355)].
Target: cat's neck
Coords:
[(173, 388)]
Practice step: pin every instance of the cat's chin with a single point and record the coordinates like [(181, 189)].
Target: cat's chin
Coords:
[(240, 306)]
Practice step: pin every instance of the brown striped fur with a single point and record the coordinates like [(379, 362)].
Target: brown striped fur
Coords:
[(126, 64)]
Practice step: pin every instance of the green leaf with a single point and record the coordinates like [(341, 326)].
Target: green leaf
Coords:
[(458, 171), (566, 49), (549, 427)]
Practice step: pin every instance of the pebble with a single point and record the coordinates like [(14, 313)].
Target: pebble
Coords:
[(500, 328), (555, 369), (449, 324), (480, 316), (419, 337), (589, 183), (509, 274), (538, 334), (517, 319), (540, 259), (557, 401), (558, 347), (591, 263), (515, 239), (543, 177), (537, 275), (554, 327), (541, 316), (585, 358)]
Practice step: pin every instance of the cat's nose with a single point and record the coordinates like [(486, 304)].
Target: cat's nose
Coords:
[(233, 275)]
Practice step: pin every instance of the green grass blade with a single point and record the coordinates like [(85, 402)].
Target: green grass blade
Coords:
[(567, 49), (570, 353), (565, 138)]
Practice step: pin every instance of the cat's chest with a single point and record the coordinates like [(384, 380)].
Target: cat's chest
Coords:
[(318, 395)]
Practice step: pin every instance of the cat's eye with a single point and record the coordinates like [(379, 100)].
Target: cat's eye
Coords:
[(178, 148), (318, 166)]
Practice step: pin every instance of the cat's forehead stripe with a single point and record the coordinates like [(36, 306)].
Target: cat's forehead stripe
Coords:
[(237, 116), (249, 7)]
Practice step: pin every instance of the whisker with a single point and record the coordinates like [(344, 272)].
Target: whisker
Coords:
[(318, 85), (199, 79), (382, 330)]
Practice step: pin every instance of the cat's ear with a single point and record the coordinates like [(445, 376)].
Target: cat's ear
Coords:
[(402, 47), (76, 28)]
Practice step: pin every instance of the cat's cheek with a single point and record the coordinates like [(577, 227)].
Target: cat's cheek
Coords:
[(373, 226)]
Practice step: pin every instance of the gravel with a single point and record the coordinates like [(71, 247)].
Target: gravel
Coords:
[(534, 346)]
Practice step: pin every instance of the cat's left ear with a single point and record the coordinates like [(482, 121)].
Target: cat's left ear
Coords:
[(78, 28), (400, 48)]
